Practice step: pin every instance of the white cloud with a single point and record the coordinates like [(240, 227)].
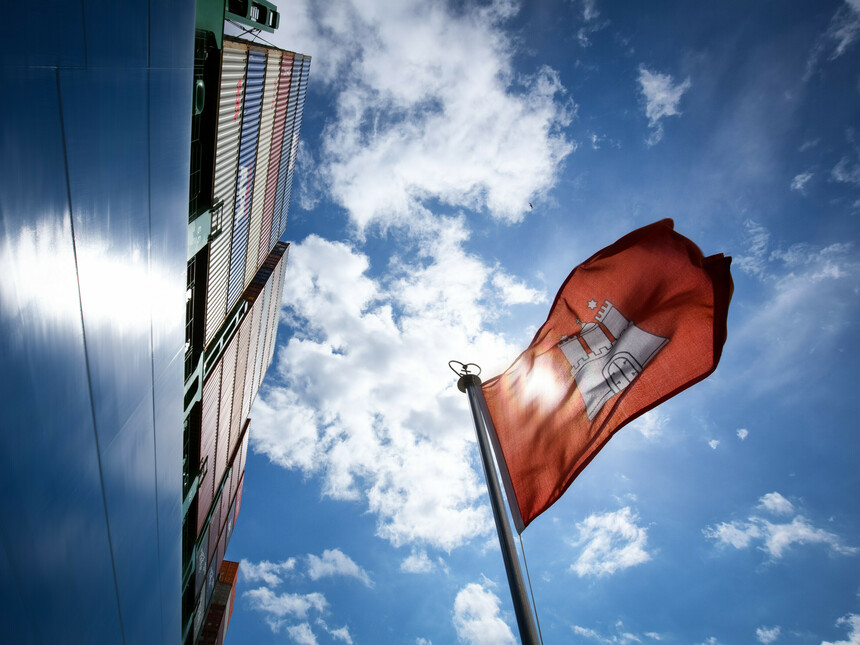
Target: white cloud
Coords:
[(736, 534), (590, 14), (846, 173), (285, 604), (767, 635), (773, 538), (743, 433), (373, 409), (268, 572), (302, 634), (651, 424), (417, 562), (776, 504), (800, 531), (307, 179), (662, 97), (808, 301), (586, 632), (840, 36), (341, 633), (515, 292), (610, 542), (809, 144), (620, 637), (589, 10), (429, 107), (844, 29), (335, 563), (852, 621), (476, 617), (799, 182), (713, 443), (757, 242), (280, 610)]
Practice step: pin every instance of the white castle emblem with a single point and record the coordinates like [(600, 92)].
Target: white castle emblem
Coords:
[(605, 356)]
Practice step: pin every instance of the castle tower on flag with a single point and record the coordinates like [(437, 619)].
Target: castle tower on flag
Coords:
[(605, 356)]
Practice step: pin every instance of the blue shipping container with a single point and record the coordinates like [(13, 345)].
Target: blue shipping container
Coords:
[(286, 150), (245, 180)]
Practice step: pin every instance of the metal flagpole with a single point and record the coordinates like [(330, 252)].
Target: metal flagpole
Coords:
[(470, 384)]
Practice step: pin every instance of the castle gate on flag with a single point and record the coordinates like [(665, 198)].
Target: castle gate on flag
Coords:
[(632, 326)]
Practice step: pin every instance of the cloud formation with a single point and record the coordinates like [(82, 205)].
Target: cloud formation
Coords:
[(773, 537), (799, 182), (292, 612), (515, 292), (341, 634), (372, 407), (767, 635), (662, 96), (852, 622), (846, 172), (845, 27), (776, 504), (808, 301), (841, 34), (651, 424), (620, 637), (335, 563), (265, 571), (591, 24), (417, 562), (302, 634), (430, 115), (610, 542), (476, 617), (429, 108), (278, 606)]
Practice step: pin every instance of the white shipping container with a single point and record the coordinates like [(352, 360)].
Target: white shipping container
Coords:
[(267, 118), (274, 307), (230, 104), (259, 360)]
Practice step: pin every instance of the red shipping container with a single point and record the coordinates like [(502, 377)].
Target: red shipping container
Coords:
[(223, 436), (275, 153)]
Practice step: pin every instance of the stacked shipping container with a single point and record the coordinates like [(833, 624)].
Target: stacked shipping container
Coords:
[(260, 106), (255, 122), (229, 390), (218, 619), (281, 105), (264, 146), (227, 137)]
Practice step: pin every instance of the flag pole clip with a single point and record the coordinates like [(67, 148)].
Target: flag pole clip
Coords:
[(462, 369)]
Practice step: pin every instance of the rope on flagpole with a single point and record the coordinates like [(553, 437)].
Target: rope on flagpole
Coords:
[(531, 591)]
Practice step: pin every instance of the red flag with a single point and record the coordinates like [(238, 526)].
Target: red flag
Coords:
[(632, 326)]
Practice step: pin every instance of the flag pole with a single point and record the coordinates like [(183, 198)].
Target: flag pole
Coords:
[(470, 384)]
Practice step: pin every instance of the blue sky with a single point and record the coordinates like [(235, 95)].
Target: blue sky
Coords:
[(729, 514)]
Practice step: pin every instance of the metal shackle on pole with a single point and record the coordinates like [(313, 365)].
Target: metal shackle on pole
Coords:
[(470, 384)]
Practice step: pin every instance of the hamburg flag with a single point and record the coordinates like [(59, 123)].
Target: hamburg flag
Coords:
[(632, 326)]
